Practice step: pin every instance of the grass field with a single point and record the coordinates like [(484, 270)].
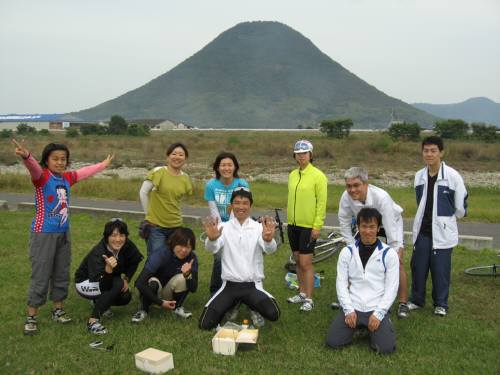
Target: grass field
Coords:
[(465, 342)]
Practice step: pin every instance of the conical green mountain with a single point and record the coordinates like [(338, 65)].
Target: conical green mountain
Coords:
[(258, 75)]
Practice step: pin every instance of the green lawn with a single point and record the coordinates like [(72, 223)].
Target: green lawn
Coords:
[(465, 342)]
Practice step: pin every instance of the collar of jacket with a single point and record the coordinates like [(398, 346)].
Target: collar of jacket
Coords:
[(307, 169)]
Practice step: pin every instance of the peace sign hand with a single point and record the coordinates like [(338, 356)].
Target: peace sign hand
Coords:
[(268, 228), (108, 160), (20, 149)]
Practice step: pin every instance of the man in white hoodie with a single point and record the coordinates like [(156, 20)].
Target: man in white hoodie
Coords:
[(367, 284), (242, 242)]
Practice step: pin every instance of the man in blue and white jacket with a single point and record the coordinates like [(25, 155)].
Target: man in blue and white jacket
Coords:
[(367, 284), (441, 199)]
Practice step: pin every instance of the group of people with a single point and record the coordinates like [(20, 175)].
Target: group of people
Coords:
[(370, 273)]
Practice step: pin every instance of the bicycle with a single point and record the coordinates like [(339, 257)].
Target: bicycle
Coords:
[(489, 270)]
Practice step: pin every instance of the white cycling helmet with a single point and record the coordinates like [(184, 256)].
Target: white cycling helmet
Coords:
[(302, 146)]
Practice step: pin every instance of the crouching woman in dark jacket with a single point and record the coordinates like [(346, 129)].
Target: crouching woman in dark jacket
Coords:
[(169, 275), (104, 274)]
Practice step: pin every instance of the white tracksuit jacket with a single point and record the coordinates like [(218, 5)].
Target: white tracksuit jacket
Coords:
[(373, 288), (450, 203), (242, 248)]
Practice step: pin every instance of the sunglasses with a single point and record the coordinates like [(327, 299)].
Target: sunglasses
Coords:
[(241, 188), (113, 219)]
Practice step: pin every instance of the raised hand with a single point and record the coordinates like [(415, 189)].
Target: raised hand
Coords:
[(212, 228), (20, 149), (108, 160), (186, 267), (268, 228)]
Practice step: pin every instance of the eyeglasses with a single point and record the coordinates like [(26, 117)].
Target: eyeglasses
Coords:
[(113, 219), (241, 188)]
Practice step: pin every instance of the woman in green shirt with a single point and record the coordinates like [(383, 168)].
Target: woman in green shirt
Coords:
[(161, 195)]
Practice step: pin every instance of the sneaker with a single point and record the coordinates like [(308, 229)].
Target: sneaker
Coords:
[(59, 316), (440, 311), (403, 310), (257, 319), (30, 326), (96, 328), (232, 314), (299, 298), (411, 306), (139, 316), (335, 305), (179, 311), (108, 313), (308, 305)]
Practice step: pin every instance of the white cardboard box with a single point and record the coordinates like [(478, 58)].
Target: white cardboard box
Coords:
[(226, 341), (154, 361)]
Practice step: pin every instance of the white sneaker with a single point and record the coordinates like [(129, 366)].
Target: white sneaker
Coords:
[(440, 311), (257, 319), (411, 306), (179, 311), (308, 305), (139, 316), (299, 298)]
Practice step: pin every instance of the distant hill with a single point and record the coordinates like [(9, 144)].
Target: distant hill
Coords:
[(471, 110), (259, 75)]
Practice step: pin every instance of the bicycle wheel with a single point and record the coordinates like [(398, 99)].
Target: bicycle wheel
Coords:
[(490, 270), (326, 249)]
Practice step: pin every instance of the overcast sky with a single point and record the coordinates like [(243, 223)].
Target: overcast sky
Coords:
[(59, 56)]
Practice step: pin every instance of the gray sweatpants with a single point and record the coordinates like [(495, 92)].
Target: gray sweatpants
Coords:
[(383, 340), (50, 256)]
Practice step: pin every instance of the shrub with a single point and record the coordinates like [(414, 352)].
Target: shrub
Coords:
[(72, 133), (93, 129), (405, 131), (25, 129), (6, 133), (44, 132), (138, 130), (117, 125), (336, 128), (483, 132), (452, 129)]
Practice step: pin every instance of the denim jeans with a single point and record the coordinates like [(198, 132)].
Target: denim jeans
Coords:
[(157, 239)]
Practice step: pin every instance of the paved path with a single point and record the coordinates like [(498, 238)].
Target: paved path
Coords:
[(466, 228)]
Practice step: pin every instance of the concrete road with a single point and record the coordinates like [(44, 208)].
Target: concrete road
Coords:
[(465, 228)]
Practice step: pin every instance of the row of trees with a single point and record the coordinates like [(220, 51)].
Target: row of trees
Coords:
[(117, 126), (451, 129)]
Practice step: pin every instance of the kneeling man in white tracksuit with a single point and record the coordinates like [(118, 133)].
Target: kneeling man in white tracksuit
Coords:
[(367, 284), (242, 243)]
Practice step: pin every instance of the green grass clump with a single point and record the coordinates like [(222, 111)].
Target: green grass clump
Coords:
[(465, 342)]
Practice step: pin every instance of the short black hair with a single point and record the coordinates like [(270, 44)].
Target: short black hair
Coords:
[(218, 160), (242, 192), (113, 224), (173, 146), (182, 236), (369, 214), (433, 140), (49, 149), (310, 156)]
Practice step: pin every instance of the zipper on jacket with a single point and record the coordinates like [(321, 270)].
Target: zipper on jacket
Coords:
[(295, 199)]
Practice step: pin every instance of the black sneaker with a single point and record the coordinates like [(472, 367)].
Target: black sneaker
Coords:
[(403, 311), (30, 326), (59, 316), (96, 328)]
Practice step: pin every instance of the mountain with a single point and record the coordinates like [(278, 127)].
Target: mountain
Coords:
[(259, 75), (471, 110)]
